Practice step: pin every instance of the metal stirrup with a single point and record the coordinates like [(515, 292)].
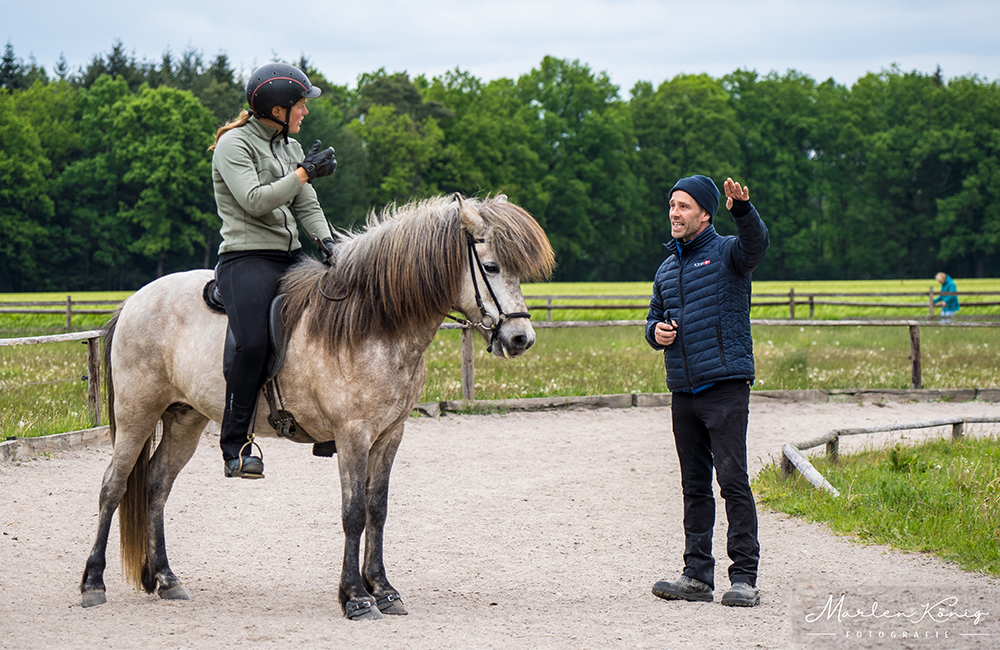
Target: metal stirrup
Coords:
[(248, 443)]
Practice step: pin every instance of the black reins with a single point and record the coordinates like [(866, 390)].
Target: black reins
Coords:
[(492, 327)]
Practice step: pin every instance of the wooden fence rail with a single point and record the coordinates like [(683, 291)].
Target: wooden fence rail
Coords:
[(790, 299), (792, 459), (68, 308), (468, 356)]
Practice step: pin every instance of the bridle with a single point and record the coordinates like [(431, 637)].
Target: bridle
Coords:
[(486, 320)]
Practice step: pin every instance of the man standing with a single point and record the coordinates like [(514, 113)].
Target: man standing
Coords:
[(699, 315), (949, 304)]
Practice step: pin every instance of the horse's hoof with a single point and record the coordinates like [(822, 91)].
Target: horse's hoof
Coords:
[(392, 605), (93, 598), (362, 610), (177, 592)]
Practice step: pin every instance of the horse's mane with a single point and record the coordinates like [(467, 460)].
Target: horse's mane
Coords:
[(405, 268)]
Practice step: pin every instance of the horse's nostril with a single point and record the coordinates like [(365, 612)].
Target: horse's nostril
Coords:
[(520, 342)]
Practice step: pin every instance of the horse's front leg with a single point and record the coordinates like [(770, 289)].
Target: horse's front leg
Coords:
[(377, 493), (352, 454)]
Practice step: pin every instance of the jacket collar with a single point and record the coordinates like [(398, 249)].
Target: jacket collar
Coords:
[(260, 129), (699, 242)]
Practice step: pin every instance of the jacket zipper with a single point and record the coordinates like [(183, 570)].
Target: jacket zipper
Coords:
[(680, 333), (722, 351), (283, 212)]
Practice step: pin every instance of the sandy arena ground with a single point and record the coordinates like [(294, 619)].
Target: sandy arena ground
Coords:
[(524, 530)]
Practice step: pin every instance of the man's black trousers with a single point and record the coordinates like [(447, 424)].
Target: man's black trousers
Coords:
[(710, 430)]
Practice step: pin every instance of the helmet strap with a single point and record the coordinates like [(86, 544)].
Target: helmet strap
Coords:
[(284, 124)]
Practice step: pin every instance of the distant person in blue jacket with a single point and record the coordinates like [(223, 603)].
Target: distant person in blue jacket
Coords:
[(949, 304), (699, 315)]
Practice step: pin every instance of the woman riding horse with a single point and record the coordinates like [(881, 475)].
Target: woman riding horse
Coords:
[(262, 188)]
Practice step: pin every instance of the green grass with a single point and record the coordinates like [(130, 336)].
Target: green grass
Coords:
[(563, 362), (791, 358), (610, 360), (941, 497), (828, 312), (41, 390), (17, 325), (802, 290)]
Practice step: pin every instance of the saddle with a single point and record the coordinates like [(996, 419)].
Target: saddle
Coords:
[(282, 420)]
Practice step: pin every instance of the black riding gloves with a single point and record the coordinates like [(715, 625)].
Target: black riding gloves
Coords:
[(327, 250), (319, 163)]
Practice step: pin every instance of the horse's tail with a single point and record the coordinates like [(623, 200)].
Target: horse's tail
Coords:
[(133, 511), (109, 385)]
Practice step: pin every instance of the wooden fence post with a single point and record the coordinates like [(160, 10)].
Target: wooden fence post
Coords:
[(69, 313), (833, 449), (548, 311), (468, 370), (94, 381), (915, 369), (811, 307), (930, 301), (786, 466), (791, 303)]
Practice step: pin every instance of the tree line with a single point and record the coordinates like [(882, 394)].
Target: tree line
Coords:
[(105, 175)]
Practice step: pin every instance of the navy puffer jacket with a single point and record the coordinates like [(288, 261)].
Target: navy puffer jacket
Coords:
[(704, 285)]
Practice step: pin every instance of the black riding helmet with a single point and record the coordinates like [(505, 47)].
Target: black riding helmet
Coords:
[(277, 84)]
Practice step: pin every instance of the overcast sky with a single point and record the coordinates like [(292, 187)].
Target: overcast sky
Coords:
[(631, 40)]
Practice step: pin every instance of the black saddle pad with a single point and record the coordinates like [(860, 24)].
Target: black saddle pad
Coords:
[(212, 298)]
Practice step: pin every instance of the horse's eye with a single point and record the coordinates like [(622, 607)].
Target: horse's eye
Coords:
[(491, 268)]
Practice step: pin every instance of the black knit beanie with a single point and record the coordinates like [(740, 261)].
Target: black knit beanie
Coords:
[(702, 189)]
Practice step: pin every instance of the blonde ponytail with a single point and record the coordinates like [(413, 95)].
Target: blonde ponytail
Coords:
[(239, 121)]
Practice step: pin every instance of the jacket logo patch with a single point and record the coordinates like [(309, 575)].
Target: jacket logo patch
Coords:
[(703, 263)]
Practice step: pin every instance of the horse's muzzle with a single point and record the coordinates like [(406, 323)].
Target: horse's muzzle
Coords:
[(513, 340)]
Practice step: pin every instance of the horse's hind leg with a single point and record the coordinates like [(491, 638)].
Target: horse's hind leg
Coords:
[(377, 498), (127, 448), (182, 427)]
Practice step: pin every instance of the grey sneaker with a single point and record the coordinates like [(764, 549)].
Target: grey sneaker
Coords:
[(741, 595), (684, 588), (246, 467)]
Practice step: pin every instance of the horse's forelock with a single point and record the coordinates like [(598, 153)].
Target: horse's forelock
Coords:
[(519, 243)]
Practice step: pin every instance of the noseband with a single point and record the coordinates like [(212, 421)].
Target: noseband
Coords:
[(485, 319)]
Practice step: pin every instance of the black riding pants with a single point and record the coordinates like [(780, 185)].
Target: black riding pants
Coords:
[(248, 282), (710, 430)]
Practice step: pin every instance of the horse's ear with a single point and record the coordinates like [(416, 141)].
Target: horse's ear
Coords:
[(471, 220)]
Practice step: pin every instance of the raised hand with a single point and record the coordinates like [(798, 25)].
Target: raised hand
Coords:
[(319, 162), (734, 192)]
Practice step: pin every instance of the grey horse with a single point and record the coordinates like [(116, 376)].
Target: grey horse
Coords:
[(354, 368)]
